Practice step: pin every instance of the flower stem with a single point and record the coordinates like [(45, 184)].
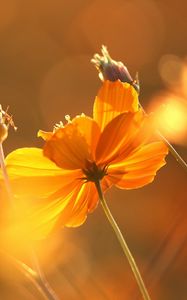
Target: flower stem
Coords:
[(123, 243), (5, 175), (175, 154)]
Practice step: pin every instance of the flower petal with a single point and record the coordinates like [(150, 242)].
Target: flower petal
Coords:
[(36, 217), (113, 99), (77, 208), (34, 173), (46, 198), (89, 129), (82, 203), (139, 168), (80, 208), (71, 146), (121, 136), (45, 135)]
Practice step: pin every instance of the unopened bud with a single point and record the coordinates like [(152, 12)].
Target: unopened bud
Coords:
[(112, 70), (3, 132)]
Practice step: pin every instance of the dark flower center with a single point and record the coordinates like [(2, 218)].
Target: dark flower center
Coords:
[(93, 172)]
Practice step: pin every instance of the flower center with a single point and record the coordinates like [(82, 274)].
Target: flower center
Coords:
[(93, 172)]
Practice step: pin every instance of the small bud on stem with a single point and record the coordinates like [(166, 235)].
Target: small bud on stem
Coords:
[(112, 70)]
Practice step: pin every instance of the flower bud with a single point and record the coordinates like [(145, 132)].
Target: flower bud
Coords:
[(112, 70)]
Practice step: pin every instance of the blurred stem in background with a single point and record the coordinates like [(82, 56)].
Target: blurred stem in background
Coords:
[(41, 286), (123, 243), (42, 281)]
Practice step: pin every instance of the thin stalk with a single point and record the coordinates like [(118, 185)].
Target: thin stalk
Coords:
[(36, 278), (31, 275), (5, 175), (51, 295), (123, 244), (175, 154)]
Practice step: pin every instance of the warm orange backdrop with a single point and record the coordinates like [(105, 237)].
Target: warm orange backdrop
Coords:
[(45, 73)]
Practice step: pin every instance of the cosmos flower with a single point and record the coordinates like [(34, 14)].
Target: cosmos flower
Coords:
[(55, 186)]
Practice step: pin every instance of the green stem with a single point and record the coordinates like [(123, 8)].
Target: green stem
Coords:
[(123, 243)]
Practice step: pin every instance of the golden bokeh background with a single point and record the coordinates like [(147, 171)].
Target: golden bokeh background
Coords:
[(45, 73)]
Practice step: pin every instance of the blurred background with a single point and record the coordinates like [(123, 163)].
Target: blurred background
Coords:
[(45, 73)]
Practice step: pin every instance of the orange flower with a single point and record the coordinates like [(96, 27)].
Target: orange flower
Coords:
[(113, 147)]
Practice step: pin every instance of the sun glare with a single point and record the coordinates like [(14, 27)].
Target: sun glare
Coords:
[(170, 117)]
